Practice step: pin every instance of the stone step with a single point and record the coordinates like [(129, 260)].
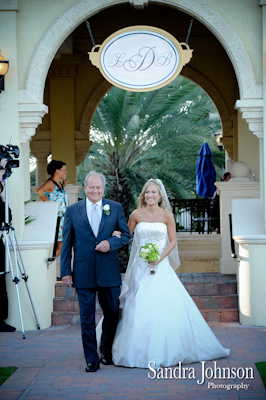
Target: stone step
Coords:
[(71, 317), (210, 315), (69, 304), (199, 253), (202, 302), (195, 245), (214, 294), (222, 285), (216, 302), (211, 288), (228, 315)]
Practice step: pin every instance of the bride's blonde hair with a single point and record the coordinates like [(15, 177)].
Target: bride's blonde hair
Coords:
[(164, 203)]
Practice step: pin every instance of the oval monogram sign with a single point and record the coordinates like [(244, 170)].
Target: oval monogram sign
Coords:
[(140, 58)]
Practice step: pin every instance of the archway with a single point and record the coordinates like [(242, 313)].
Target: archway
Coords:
[(73, 17), (30, 100), (61, 28)]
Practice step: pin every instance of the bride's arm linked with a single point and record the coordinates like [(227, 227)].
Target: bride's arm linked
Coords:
[(171, 230), (132, 222)]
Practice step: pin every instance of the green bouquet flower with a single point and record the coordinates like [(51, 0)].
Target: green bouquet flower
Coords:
[(149, 252)]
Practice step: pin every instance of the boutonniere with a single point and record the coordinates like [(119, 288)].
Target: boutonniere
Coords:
[(106, 209)]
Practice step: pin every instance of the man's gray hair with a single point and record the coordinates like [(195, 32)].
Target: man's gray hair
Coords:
[(94, 173)]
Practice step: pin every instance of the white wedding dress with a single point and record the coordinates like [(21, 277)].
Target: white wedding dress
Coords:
[(160, 322)]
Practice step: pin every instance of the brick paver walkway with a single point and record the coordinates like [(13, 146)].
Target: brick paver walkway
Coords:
[(51, 366)]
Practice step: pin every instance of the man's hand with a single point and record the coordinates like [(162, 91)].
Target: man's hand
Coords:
[(67, 280), (103, 246)]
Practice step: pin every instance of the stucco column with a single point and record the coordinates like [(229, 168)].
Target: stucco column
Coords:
[(62, 111), (41, 150), (72, 193), (41, 172), (236, 188), (263, 4), (62, 123)]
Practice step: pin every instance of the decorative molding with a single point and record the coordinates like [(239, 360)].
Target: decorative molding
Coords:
[(34, 244), (139, 3), (228, 144), (250, 239), (252, 112), (74, 16), (238, 185), (30, 115), (40, 148)]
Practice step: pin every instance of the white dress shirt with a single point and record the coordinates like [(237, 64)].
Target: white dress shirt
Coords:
[(89, 205)]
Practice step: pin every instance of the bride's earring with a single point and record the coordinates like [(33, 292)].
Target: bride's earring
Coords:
[(159, 202)]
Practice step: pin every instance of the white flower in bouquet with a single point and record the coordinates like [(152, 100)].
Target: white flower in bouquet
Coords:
[(149, 252)]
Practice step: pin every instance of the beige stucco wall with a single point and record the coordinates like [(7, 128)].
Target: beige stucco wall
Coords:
[(33, 20), (37, 16), (245, 17)]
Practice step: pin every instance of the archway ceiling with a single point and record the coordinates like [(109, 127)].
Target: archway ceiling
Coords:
[(209, 57), (210, 66)]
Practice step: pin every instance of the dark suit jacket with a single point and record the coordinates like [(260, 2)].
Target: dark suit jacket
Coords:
[(92, 268)]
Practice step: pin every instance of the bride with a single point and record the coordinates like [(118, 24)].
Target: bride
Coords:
[(159, 322)]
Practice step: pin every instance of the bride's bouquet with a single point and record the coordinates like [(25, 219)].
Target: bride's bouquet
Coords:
[(149, 252)]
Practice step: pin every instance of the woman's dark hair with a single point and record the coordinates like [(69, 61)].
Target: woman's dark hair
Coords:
[(53, 166), (224, 176)]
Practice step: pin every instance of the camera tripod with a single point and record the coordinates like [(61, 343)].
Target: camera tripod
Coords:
[(17, 268)]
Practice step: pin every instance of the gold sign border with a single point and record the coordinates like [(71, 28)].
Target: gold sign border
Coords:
[(185, 55)]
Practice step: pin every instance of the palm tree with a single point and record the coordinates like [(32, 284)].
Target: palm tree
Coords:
[(153, 134)]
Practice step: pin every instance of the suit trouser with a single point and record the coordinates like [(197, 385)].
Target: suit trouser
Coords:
[(109, 302)]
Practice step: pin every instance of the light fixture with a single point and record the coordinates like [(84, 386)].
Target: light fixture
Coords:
[(3, 70)]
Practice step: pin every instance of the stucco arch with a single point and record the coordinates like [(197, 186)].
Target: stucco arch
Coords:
[(191, 74), (30, 100), (74, 16), (91, 106)]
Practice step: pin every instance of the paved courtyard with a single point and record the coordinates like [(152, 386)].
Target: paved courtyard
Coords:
[(51, 366)]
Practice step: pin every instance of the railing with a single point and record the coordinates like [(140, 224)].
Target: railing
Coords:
[(195, 215)]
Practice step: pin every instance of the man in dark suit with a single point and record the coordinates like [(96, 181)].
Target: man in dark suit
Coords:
[(88, 228)]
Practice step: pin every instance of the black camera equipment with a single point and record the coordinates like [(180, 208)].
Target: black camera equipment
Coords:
[(7, 152), (8, 232)]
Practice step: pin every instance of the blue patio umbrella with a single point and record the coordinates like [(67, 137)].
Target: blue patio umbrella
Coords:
[(205, 172)]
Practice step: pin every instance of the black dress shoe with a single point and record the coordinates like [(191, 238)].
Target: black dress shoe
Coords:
[(107, 361), (6, 328), (92, 366)]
